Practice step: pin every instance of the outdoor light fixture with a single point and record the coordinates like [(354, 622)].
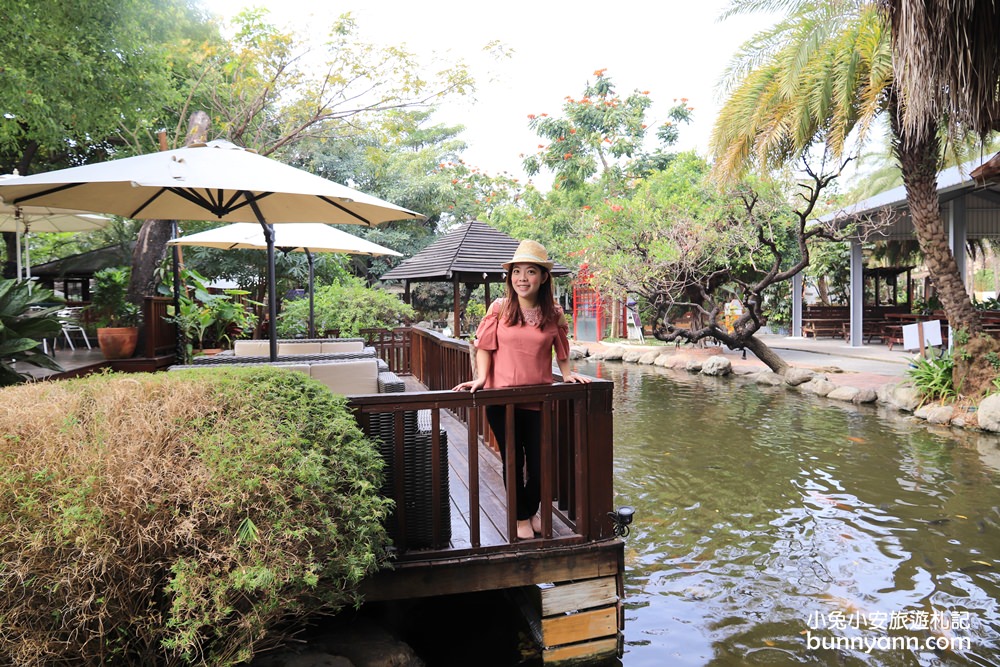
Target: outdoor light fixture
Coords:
[(622, 518)]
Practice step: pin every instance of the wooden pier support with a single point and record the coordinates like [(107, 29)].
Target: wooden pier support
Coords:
[(575, 621)]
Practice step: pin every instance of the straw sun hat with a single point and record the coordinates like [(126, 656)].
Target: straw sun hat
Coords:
[(529, 252)]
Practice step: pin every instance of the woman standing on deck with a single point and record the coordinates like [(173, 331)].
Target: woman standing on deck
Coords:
[(515, 342)]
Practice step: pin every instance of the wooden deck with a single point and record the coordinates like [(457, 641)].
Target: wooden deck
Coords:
[(570, 580), (492, 493)]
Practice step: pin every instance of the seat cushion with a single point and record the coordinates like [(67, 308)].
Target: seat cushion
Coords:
[(354, 376), (342, 346), (251, 348), (299, 348)]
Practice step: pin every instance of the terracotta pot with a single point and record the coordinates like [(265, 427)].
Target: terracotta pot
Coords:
[(117, 342)]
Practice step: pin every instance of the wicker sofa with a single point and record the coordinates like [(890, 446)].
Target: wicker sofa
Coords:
[(358, 375)]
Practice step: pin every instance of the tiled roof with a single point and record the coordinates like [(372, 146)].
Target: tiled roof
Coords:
[(464, 253)]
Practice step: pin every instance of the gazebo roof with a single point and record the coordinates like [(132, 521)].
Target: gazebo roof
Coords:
[(469, 253)]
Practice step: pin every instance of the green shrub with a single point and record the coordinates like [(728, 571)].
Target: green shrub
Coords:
[(349, 307), (932, 376), (179, 517)]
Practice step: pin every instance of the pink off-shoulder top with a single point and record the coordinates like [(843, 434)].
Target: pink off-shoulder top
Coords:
[(522, 353)]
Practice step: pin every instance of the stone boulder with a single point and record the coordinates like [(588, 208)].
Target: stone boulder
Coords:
[(649, 358), (578, 352), (693, 366), (664, 360), (866, 396), (819, 385), (934, 413), (367, 644), (631, 356), (988, 413), (849, 394), (796, 376), (716, 365), (769, 378), (902, 396), (613, 353)]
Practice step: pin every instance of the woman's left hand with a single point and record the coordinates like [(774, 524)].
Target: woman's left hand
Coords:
[(573, 377)]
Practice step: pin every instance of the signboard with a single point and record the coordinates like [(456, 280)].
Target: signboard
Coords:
[(930, 331), (634, 325)]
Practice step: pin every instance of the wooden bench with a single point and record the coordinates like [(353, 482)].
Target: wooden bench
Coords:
[(869, 329), (823, 327)]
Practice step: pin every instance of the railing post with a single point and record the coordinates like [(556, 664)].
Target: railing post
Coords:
[(600, 461)]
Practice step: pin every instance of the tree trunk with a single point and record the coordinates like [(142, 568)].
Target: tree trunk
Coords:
[(766, 354), (972, 374), (824, 291), (10, 254), (151, 245)]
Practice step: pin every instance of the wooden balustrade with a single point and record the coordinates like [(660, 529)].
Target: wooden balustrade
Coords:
[(392, 346), (160, 335), (577, 449)]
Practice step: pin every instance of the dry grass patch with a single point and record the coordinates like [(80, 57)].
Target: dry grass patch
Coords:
[(178, 517)]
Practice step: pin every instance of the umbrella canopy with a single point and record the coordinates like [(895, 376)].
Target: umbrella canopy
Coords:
[(217, 180), (307, 237), (23, 220)]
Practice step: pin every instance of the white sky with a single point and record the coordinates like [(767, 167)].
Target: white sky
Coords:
[(672, 48)]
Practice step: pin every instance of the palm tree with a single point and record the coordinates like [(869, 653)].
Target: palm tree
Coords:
[(819, 75), (947, 71)]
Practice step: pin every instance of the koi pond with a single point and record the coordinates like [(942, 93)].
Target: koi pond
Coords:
[(778, 528)]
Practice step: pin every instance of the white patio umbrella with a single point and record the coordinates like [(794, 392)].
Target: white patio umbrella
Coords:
[(307, 237), (217, 180), (23, 220)]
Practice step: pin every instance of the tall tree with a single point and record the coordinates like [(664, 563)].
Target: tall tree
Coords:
[(947, 63), (267, 91), (76, 76), (822, 73)]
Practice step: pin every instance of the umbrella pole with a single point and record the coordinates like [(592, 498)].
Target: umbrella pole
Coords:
[(18, 220), (272, 297), (175, 256), (312, 313)]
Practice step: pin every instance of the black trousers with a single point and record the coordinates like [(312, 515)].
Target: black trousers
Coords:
[(527, 448)]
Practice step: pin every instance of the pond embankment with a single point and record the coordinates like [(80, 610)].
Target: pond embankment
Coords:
[(831, 370)]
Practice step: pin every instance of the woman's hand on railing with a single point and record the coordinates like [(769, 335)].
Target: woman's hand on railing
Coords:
[(471, 385), (573, 377)]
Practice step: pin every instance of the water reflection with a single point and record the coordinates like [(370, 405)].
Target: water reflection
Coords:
[(764, 514)]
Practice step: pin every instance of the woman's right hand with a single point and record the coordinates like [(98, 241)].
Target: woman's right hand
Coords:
[(471, 385)]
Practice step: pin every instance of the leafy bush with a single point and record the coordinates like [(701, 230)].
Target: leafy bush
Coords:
[(932, 376), (349, 307), (178, 517), (24, 322)]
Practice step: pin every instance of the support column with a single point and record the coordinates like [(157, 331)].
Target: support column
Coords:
[(797, 305), (957, 236), (857, 293)]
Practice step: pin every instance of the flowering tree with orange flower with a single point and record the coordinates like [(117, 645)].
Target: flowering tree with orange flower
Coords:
[(603, 134)]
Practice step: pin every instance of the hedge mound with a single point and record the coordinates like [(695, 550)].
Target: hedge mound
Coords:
[(178, 517)]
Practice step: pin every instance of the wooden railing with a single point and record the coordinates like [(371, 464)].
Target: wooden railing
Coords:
[(577, 442), (392, 346), (160, 335)]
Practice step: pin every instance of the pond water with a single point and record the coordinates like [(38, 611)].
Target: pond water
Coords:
[(773, 527)]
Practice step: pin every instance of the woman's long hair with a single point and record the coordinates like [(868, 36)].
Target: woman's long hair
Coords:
[(511, 313)]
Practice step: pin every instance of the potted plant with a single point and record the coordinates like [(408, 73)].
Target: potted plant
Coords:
[(202, 313), (117, 318)]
